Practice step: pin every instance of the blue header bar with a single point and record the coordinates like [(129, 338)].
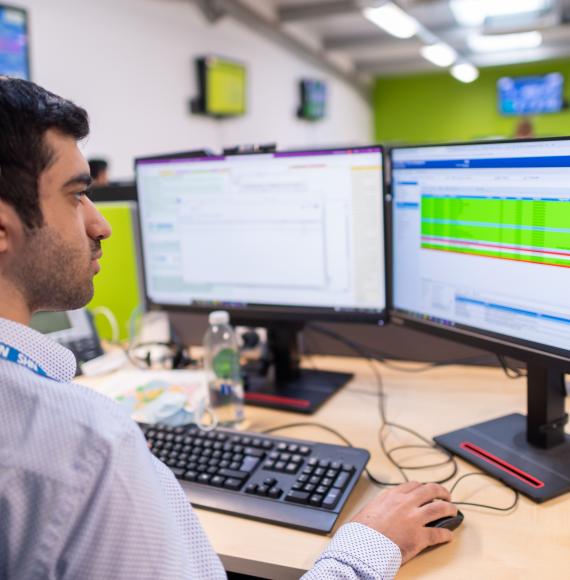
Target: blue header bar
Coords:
[(489, 163)]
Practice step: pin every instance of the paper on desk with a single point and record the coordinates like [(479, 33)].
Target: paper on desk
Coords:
[(171, 397)]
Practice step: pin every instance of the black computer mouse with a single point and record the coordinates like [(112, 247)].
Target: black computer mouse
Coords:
[(449, 522)]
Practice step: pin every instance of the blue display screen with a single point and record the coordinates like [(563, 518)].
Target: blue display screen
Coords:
[(14, 43), (531, 95)]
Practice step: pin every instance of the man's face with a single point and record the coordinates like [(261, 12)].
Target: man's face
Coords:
[(54, 265)]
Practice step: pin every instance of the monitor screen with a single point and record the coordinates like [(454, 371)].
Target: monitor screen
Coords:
[(313, 99), (14, 59), (225, 86), (296, 232), (481, 241), (531, 95)]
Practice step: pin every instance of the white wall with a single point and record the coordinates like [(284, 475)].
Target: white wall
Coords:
[(130, 64)]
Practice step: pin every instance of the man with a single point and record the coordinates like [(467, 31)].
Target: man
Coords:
[(99, 170), (80, 494)]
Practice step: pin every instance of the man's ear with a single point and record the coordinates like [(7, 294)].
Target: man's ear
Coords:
[(10, 223)]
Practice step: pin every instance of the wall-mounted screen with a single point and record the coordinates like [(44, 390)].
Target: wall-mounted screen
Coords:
[(531, 95), (14, 57), (222, 87), (313, 99)]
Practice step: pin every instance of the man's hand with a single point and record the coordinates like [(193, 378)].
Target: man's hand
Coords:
[(402, 513)]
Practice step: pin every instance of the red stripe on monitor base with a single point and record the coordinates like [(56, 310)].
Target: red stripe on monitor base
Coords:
[(502, 464), (277, 400)]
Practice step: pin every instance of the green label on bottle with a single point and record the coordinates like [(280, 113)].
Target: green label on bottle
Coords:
[(224, 362)]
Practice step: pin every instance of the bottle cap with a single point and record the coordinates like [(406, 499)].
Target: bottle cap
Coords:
[(219, 317)]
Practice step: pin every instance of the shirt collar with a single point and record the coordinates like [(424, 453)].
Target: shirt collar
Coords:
[(57, 361)]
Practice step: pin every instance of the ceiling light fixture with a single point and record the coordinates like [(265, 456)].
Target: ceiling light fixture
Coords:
[(440, 54), (504, 42), (474, 12), (393, 20), (465, 72)]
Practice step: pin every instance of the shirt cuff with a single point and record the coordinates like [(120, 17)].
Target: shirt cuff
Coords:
[(365, 550)]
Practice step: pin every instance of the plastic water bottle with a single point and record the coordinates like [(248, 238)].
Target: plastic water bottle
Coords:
[(221, 364)]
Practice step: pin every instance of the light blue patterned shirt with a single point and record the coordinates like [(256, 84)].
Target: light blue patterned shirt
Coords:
[(81, 496)]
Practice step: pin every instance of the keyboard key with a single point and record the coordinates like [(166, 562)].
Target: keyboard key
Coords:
[(267, 444), (269, 464), (262, 490), (319, 471), (280, 466), (297, 497), (348, 467), (178, 471), (231, 483), (331, 499), (275, 492), (316, 499), (327, 481), (332, 473), (291, 468), (342, 479), (322, 489), (254, 452), (269, 481), (217, 481), (304, 450), (292, 448), (314, 479), (281, 446), (251, 488), (190, 475), (233, 473), (249, 464), (324, 463), (203, 478)]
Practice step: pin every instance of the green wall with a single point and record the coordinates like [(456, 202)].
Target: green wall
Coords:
[(436, 107)]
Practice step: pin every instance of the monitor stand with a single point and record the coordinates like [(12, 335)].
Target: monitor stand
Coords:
[(530, 454), (282, 384)]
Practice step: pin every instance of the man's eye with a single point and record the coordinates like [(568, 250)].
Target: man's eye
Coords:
[(81, 194)]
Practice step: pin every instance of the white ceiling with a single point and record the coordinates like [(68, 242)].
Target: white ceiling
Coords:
[(339, 31)]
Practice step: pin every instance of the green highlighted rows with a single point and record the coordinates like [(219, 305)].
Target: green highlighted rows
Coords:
[(552, 214), (505, 255), (513, 237)]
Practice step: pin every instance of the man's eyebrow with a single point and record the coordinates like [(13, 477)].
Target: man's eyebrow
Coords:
[(79, 179)]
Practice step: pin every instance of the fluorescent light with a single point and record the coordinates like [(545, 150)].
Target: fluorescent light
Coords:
[(474, 12), (504, 42), (393, 20), (440, 54), (465, 72)]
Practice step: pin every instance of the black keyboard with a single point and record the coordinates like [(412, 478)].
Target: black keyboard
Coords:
[(301, 484)]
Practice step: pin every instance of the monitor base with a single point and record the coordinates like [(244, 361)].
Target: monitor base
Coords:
[(303, 394), (500, 448)]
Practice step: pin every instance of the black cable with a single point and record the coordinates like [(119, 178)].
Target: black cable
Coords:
[(485, 506), (512, 373), (389, 359), (385, 423), (363, 351)]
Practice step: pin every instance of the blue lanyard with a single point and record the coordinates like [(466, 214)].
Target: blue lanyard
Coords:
[(13, 355)]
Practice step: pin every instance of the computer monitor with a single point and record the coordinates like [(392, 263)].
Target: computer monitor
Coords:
[(14, 42), (278, 239), (481, 254)]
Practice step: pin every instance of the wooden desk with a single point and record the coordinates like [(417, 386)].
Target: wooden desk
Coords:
[(531, 542)]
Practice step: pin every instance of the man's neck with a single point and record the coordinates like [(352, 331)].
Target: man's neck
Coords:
[(13, 306)]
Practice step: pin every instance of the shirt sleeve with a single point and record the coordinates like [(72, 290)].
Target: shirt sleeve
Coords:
[(357, 552)]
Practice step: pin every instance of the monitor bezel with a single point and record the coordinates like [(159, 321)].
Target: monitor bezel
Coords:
[(260, 313), (26, 14), (520, 349)]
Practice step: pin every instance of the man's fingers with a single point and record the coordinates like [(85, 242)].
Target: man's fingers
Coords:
[(438, 536), (429, 492), (435, 510), (408, 486)]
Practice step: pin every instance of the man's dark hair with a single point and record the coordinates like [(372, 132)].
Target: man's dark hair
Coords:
[(96, 167), (26, 112)]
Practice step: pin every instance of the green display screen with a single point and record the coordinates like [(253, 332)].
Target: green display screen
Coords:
[(225, 87)]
